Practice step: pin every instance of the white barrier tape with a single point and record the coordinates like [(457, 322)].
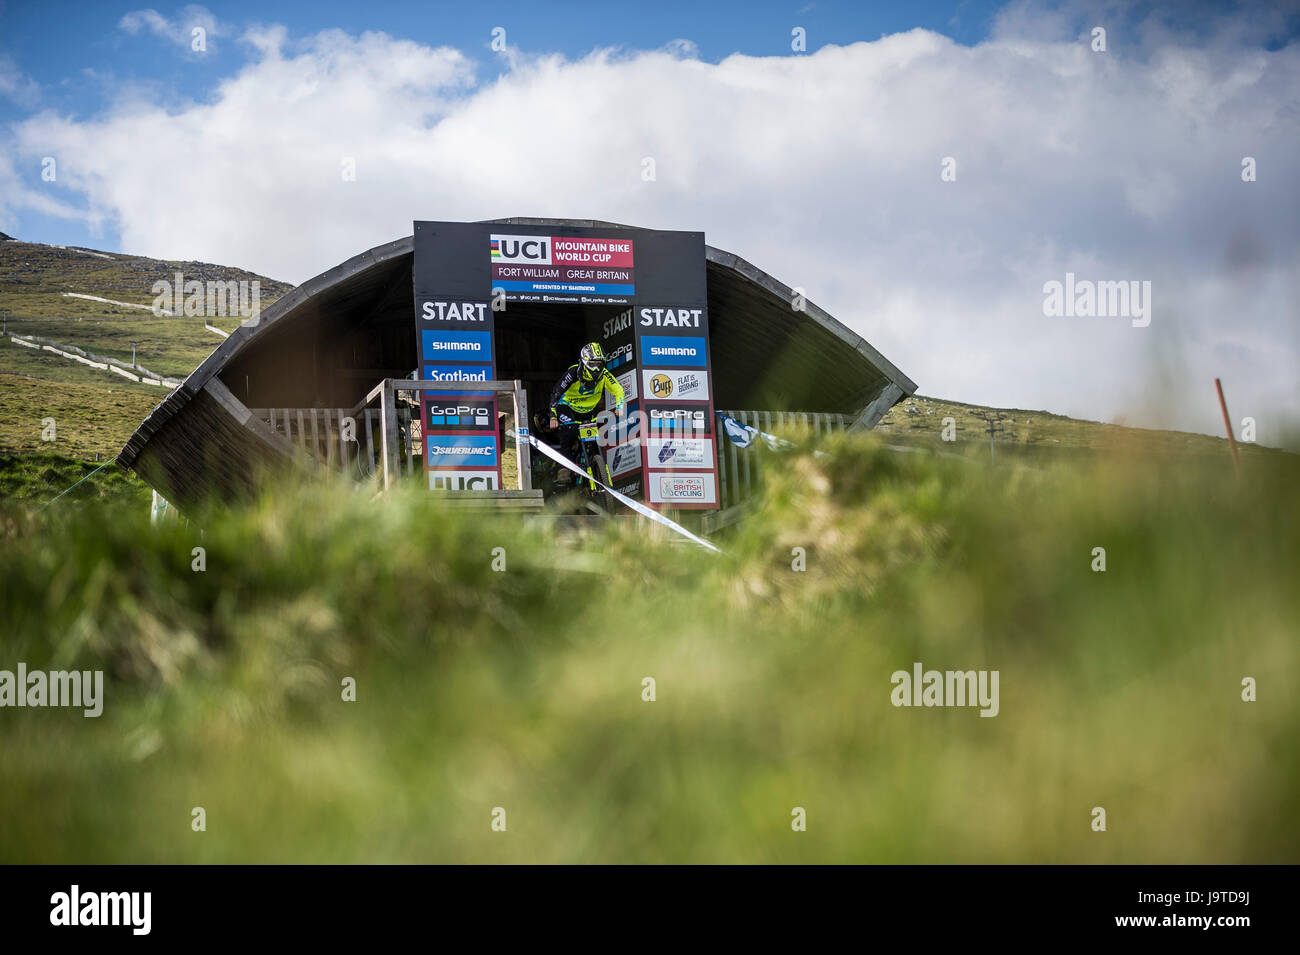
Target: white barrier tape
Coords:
[(637, 506)]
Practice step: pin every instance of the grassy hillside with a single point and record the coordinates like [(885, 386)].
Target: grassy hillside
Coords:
[(94, 411), (522, 689), (101, 414), (918, 420)]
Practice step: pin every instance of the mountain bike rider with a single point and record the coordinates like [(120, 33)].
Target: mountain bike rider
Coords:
[(576, 397)]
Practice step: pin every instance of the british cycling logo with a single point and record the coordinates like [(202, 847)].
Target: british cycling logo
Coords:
[(75, 907)]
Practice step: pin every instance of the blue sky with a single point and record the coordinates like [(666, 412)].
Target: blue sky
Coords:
[(821, 166), (82, 58)]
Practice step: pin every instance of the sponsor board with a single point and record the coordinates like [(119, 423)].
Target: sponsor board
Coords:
[(679, 452), (678, 419), (464, 481), (520, 249), (661, 384), (620, 323), (672, 350), (460, 450), (610, 253), (632, 488), (651, 317), (444, 411), (502, 274), (566, 288), (456, 373), (618, 355), (562, 268), (623, 458), (436, 311), (443, 345), (628, 381), (668, 488)]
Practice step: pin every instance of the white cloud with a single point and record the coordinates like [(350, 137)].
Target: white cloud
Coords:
[(16, 86), (178, 31), (822, 169)]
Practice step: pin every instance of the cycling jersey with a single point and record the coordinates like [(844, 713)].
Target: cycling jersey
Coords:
[(583, 394)]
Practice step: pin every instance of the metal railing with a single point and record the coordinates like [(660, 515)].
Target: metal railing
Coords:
[(387, 393), (389, 444), (385, 436)]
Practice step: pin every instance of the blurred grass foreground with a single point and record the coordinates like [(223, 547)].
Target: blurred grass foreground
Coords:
[(518, 694)]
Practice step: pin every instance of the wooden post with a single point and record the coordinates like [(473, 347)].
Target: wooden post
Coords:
[(388, 439), (523, 450), (343, 445), (1227, 423)]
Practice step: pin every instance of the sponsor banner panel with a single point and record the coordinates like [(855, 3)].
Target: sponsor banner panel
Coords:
[(466, 314), (447, 345), (560, 273), (618, 328), (649, 317), (520, 249), (681, 490), (662, 384), (628, 381), (464, 480), (460, 450), (618, 356), (680, 419), (567, 288), (673, 350), (456, 373), (623, 458), (679, 452), (457, 412), (612, 253), (632, 487)]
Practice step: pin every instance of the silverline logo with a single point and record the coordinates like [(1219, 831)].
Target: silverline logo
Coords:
[(103, 908)]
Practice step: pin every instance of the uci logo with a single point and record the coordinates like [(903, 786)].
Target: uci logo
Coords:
[(661, 386), (526, 249)]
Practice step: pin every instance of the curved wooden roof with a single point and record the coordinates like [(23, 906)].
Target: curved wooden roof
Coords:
[(329, 340)]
